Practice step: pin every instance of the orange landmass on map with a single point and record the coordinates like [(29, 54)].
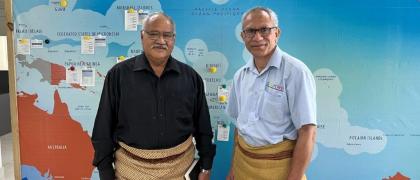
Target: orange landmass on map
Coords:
[(58, 73), (77, 86), (53, 143), (397, 176)]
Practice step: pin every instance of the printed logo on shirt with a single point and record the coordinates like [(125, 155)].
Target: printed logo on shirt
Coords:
[(276, 87)]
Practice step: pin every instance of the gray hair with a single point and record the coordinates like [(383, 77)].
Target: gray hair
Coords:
[(149, 16), (270, 12)]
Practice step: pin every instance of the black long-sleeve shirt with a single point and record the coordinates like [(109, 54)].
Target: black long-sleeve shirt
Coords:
[(149, 112)]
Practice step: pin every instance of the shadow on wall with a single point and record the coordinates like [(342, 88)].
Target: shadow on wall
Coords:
[(5, 126)]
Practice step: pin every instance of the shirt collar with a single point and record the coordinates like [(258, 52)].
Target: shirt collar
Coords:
[(141, 63), (275, 60)]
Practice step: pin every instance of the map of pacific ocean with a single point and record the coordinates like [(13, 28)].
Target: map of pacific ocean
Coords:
[(364, 56)]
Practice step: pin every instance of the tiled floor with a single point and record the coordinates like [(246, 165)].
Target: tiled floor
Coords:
[(7, 157)]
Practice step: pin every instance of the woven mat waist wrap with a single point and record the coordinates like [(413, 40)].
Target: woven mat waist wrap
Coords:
[(278, 151), (270, 162), (171, 163)]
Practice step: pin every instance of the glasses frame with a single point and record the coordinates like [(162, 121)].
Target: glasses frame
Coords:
[(264, 31), (170, 36)]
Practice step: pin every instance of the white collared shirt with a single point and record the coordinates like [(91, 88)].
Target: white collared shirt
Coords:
[(271, 105)]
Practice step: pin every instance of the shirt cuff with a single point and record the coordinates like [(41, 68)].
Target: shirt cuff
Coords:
[(206, 163), (107, 173)]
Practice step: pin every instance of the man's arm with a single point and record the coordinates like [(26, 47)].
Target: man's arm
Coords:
[(302, 152), (232, 111), (103, 130), (301, 90), (231, 174), (203, 133)]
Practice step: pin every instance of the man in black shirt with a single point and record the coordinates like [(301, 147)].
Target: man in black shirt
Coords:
[(151, 106)]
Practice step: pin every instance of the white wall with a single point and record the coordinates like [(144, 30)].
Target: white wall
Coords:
[(3, 53), (3, 44)]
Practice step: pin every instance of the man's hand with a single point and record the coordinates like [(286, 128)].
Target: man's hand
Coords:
[(230, 175), (204, 176)]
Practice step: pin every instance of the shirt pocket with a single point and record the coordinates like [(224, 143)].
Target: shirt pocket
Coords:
[(274, 107)]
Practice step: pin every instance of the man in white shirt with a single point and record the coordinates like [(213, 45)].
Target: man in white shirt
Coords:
[(273, 102)]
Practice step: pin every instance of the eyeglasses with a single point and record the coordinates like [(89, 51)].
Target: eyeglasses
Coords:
[(155, 35), (265, 31)]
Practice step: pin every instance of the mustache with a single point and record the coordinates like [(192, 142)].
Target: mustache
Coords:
[(160, 46)]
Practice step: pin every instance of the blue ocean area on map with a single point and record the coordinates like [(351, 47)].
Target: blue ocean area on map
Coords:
[(52, 43), (118, 49), (31, 173), (100, 6), (23, 6)]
